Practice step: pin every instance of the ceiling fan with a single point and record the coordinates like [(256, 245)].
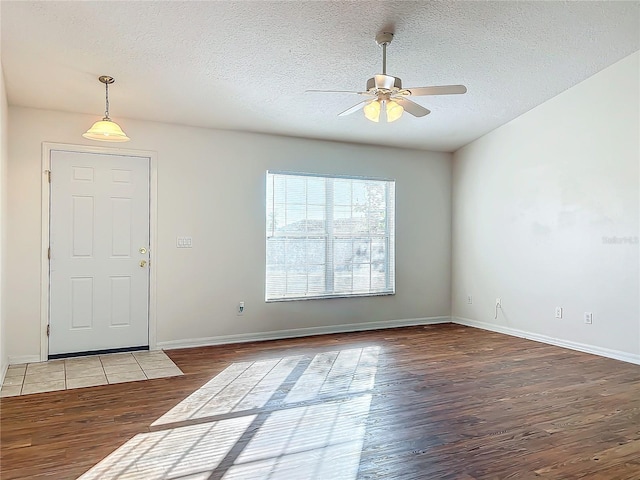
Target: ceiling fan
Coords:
[(385, 93)]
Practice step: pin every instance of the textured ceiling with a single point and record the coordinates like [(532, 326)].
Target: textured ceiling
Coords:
[(246, 65)]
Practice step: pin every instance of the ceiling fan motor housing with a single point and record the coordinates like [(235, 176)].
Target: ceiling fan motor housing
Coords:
[(384, 82)]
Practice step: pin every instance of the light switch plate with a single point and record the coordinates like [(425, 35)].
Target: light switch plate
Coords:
[(184, 242)]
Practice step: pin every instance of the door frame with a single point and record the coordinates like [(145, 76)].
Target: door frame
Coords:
[(47, 148)]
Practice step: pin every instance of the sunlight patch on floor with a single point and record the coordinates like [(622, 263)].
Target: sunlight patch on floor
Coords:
[(285, 418)]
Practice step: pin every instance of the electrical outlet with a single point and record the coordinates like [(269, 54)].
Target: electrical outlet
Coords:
[(558, 312), (588, 318), (498, 303), (240, 309), (469, 299)]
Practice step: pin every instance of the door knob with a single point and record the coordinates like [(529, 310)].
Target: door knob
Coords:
[(142, 250), (143, 263)]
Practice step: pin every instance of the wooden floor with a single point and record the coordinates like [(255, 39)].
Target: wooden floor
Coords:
[(436, 402)]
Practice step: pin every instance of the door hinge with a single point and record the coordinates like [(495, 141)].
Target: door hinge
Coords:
[(48, 172), (48, 330), (49, 253)]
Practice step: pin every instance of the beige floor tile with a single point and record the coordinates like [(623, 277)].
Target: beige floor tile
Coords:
[(41, 377), (147, 353), (13, 381), (156, 363), (126, 377), (83, 361), (85, 365), (163, 372), (10, 390), (46, 367), (124, 368), (16, 369), (14, 373), (86, 381), (117, 359), (80, 372), (50, 386)]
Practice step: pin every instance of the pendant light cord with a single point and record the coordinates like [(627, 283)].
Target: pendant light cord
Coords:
[(106, 113)]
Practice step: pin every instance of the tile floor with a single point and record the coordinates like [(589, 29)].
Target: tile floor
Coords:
[(89, 371)]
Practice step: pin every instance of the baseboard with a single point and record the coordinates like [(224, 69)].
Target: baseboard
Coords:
[(581, 347), (20, 359), (299, 332), (3, 373)]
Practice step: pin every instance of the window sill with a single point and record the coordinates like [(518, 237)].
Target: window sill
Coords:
[(323, 297)]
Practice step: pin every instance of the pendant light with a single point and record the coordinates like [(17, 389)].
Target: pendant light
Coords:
[(106, 130)]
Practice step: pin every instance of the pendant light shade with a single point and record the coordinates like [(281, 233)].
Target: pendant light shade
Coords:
[(106, 130)]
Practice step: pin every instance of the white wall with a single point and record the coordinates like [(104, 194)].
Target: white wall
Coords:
[(211, 186), (4, 155), (535, 203)]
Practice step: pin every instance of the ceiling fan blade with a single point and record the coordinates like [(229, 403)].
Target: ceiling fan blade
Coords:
[(411, 107), (439, 90), (336, 91), (354, 109)]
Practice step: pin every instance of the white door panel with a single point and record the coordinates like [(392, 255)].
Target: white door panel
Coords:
[(99, 293)]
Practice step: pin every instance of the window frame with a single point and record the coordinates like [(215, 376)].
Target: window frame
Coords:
[(329, 236)]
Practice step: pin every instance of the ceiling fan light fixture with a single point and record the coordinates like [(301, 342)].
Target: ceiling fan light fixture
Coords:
[(394, 111), (386, 92), (372, 111), (106, 130)]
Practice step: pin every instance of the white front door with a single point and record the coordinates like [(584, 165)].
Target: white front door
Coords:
[(99, 239)]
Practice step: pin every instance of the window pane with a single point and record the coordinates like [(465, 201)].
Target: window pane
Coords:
[(361, 251), (296, 191), (276, 286), (316, 245), (342, 220), (359, 220), (316, 251), (296, 284), (279, 189), (375, 196), (275, 220), (316, 219), (296, 252), (361, 278), (342, 192), (295, 218), (342, 253), (359, 193), (316, 279), (342, 282), (316, 191), (378, 268), (377, 221), (378, 280), (275, 252), (378, 250)]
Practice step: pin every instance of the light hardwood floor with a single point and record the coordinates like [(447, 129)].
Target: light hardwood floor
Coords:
[(436, 402)]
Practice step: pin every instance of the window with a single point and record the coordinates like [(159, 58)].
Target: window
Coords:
[(329, 236)]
